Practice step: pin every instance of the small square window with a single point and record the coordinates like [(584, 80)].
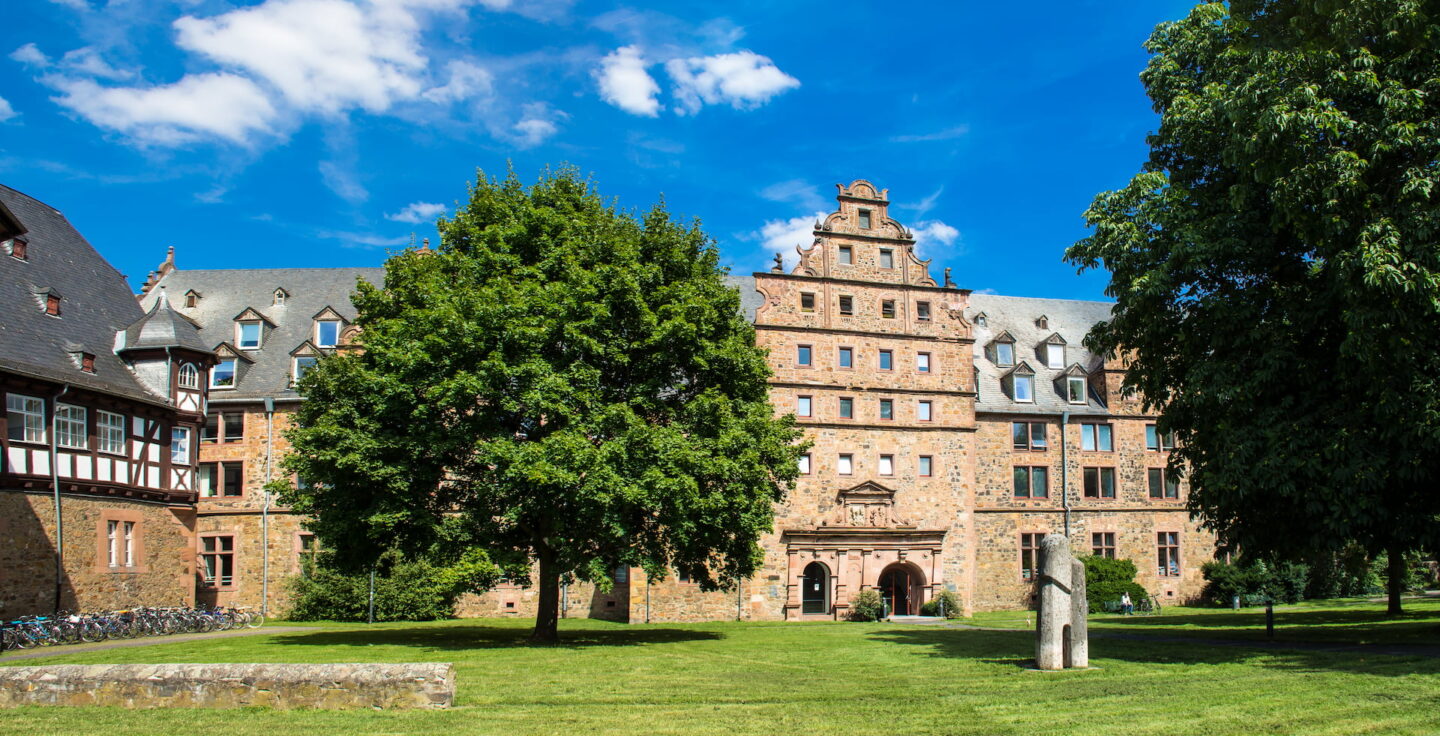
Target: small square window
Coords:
[(887, 409), (847, 305), (887, 465), (845, 464), (887, 309), (807, 302), (922, 362), (847, 408), (847, 357), (52, 305), (802, 355), (847, 256), (887, 360), (922, 311), (926, 467), (922, 411), (887, 258), (864, 219), (802, 406), (18, 248)]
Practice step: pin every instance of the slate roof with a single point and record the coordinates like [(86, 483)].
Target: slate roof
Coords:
[(1071, 319), (750, 299), (225, 293), (96, 303), (163, 327)]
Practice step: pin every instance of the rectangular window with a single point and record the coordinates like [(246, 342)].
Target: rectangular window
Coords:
[(622, 574), (802, 355), (1099, 482), (248, 335), (805, 464), (887, 309), (887, 360), (864, 219), (222, 479), (327, 333), (111, 428), (1024, 388), (847, 358), (180, 446), (112, 539), (234, 479), (922, 311), (847, 305), (309, 546), (927, 466), (1096, 437), (887, 409), (1055, 356), (129, 556), (1030, 555), (223, 374), (845, 464), (1004, 353), (52, 305), (847, 256), (302, 364), (1102, 544), (223, 428), (887, 258), (26, 419), (1032, 481), (1162, 483), (922, 362), (217, 561), (802, 406), (847, 408), (1028, 435), (807, 302), (70, 426), (887, 464), (1075, 389), (1156, 441), (1168, 554), (922, 411)]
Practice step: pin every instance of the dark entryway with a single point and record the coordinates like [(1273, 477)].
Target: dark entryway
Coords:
[(815, 589), (899, 588)]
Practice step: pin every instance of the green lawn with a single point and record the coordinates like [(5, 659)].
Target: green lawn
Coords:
[(840, 678)]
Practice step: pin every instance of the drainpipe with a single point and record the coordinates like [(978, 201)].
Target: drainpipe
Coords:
[(1065, 470), (55, 486), (265, 510)]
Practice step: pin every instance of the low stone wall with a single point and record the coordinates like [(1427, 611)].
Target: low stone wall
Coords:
[(328, 686)]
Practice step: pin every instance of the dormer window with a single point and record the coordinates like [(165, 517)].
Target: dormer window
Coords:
[(223, 374), (247, 335), (887, 258), (1054, 355), (1024, 388), (847, 255), (17, 248), (981, 320), (192, 298), (304, 363), (1042, 322), (327, 333), (280, 296), (52, 305), (87, 362), (1003, 350), (189, 376), (865, 220), (1075, 389)]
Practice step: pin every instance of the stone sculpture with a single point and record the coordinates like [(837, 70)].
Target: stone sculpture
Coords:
[(1062, 638)]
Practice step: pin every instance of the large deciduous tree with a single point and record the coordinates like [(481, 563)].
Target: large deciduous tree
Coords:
[(560, 383), (1277, 270)]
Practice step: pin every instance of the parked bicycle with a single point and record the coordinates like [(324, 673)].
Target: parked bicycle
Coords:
[(66, 627)]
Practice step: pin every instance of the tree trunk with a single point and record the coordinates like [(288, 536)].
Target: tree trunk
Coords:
[(1395, 584), (547, 624)]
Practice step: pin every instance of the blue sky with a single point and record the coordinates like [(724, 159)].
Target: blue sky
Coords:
[(322, 132)]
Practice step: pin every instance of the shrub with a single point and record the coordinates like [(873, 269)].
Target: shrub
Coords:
[(405, 590), (1253, 580), (951, 608), (1106, 579), (866, 606), (1344, 574)]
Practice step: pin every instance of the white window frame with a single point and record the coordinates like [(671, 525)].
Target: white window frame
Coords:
[(805, 464), (180, 445), (1070, 394), (845, 464), (1054, 355), (129, 528), (1004, 353), (887, 465), (31, 413), (215, 373), (240, 334), (110, 431), (112, 536), (319, 342), (1029, 393), (295, 371), (189, 376), (70, 429)]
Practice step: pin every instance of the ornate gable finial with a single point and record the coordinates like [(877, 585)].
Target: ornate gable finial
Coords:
[(949, 284), (779, 266), (160, 272)]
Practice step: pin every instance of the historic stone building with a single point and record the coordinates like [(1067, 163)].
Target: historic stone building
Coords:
[(103, 403), (952, 431)]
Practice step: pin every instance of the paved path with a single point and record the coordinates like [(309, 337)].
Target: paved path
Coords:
[(1393, 650), (62, 649)]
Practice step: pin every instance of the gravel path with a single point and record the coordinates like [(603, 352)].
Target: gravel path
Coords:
[(62, 649)]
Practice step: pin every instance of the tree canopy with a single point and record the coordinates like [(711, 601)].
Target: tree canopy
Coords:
[(1277, 269), (560, 383)]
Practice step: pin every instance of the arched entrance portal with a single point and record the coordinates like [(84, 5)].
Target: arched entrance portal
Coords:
[(900, 586), (815, 589)]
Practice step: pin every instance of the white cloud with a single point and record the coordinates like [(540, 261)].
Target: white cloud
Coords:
[(534, 131), (930, 234), (342, 181), (939, 135), (199, 105), (924, 205), (795, 191), (417, 212), (782, 236), (466, 80), (6, 111), (745, 80), (366, 240), (87, 61), (30, 55), (325, 55), (625, 84)]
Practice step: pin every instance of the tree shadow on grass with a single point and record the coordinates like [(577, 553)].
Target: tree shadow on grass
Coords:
[(1294, 625), (1017, 649), (482, 636)]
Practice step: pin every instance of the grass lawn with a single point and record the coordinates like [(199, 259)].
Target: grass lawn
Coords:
[(821, 678)]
